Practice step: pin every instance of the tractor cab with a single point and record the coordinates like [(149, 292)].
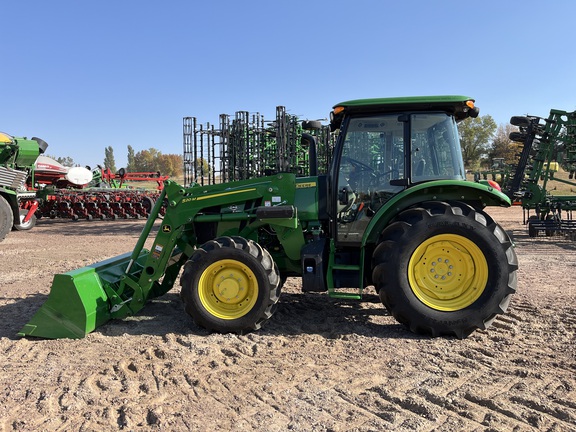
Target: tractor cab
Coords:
[(384, 149)]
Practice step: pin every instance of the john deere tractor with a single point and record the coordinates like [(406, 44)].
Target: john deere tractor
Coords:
[(17, 157), (394, 211)]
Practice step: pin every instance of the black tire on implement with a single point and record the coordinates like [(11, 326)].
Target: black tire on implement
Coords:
[(6, 218), (517, 137), (230, 284), (444, 269), (28, 225), (520, 121), (532, 232), (147, 204)]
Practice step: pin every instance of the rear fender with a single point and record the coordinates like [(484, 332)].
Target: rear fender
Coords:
[(475, 194)]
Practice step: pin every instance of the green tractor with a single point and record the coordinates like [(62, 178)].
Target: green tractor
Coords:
[(17, 157), (393, 211)]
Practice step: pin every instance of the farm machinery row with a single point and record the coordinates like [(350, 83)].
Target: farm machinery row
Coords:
[(547, 159), (33, 186), (96, 194)]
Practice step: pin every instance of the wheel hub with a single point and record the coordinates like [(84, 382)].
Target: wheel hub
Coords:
[(444, 270), (448, 272), (228, 289)]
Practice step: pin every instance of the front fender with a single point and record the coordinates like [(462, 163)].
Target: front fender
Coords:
[(475, 194)]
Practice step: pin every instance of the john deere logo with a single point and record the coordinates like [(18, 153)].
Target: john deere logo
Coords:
[(166, 228)]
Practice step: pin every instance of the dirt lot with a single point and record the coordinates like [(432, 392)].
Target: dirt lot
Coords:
[(319, 364)]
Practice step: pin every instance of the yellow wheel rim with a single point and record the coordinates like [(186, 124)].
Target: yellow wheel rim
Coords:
[(448, 272), (228, 289)]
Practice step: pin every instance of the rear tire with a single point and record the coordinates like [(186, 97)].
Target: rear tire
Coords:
[(444, 269), (230, 284), (6, 218)]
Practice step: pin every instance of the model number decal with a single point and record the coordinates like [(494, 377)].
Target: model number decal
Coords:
[(305, 185)]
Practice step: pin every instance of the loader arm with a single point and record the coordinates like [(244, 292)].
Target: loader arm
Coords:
[(194, 208)]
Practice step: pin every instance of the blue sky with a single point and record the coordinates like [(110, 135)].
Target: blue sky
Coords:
[(87, 75)]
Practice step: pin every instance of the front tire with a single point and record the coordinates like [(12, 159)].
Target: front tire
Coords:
[(230, 284), (444, 269)]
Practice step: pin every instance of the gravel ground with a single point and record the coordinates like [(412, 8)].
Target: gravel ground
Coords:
[(318, 365)]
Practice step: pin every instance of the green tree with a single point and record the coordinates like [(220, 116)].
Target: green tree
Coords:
[(109, 161), (130, 167), (152, 160), (67, 161), (147, 160), (475, 137), (503, 147), (171, 165)]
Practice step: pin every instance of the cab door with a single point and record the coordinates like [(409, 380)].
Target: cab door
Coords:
[(371, 166)]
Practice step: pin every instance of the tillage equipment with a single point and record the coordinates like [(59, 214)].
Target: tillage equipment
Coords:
[(547, 144)]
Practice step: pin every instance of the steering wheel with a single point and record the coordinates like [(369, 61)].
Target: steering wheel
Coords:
[(360, 172), (360, 169), (394, 171), (356, 164)]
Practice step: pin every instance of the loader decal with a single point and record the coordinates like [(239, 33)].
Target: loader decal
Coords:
[(305, 185), (157, 251), (225, 194)]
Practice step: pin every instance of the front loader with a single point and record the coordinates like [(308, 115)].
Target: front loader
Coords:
[(394, 211)]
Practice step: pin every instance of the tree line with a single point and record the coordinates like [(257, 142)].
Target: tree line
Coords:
[(482, 142), (151, 160)]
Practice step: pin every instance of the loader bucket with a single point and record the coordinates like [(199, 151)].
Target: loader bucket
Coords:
[(78, 301)]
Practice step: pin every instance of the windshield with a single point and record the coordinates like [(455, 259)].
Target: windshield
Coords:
[(435, 148)]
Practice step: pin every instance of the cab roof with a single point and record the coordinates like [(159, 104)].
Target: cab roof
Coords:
[(455, 104)]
